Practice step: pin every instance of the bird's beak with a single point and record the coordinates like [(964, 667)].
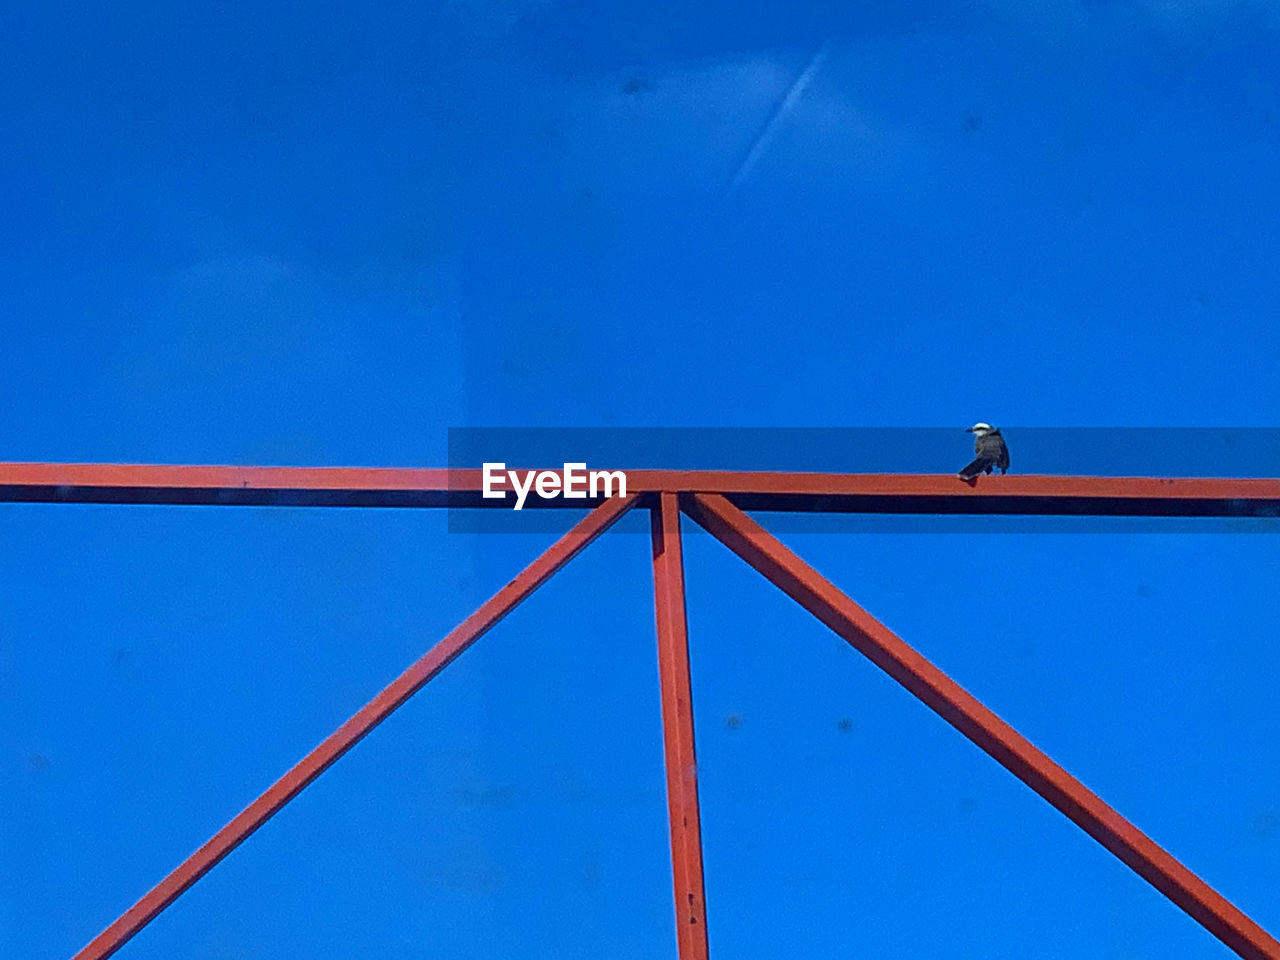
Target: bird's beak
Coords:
[(968, 429)]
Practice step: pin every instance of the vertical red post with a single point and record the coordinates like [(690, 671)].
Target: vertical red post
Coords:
[(677, 725)]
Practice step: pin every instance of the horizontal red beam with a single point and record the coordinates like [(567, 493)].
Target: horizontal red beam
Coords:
[(808, 492), (353, 731), (962, 710)]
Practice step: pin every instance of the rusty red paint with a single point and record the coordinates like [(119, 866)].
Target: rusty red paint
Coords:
[(355, 729), (949, 700), (677, 726)]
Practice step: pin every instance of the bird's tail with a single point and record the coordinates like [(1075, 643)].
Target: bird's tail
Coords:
[(972, 470)]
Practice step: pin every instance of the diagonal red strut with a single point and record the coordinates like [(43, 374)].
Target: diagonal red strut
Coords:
[(350, 733), (949, 700), (677, 726)]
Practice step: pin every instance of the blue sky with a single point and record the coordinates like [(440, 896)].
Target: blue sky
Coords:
[(276, 235)]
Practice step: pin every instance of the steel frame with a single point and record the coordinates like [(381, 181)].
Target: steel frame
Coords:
[(716, 500)]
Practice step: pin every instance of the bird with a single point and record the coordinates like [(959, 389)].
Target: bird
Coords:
[(991, 452)]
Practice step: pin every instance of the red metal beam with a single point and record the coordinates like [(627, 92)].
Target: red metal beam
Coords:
[(677, 725), (354, 730), (814, 492), (1004, 744)]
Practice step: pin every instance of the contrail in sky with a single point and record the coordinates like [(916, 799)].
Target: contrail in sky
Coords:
[(784, 107)]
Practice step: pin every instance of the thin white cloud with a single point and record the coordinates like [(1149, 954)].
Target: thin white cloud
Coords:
[(711, 127), (785, 106)]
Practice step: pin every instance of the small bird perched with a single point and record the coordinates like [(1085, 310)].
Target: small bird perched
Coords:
[(990, 449)]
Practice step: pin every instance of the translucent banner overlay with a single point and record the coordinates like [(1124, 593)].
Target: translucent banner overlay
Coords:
[(939, 452)]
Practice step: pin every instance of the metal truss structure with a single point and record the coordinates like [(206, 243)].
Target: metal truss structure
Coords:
[(716, 501)]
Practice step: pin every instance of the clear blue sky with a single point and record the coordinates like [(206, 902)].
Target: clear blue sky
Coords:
[(269, 234)]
